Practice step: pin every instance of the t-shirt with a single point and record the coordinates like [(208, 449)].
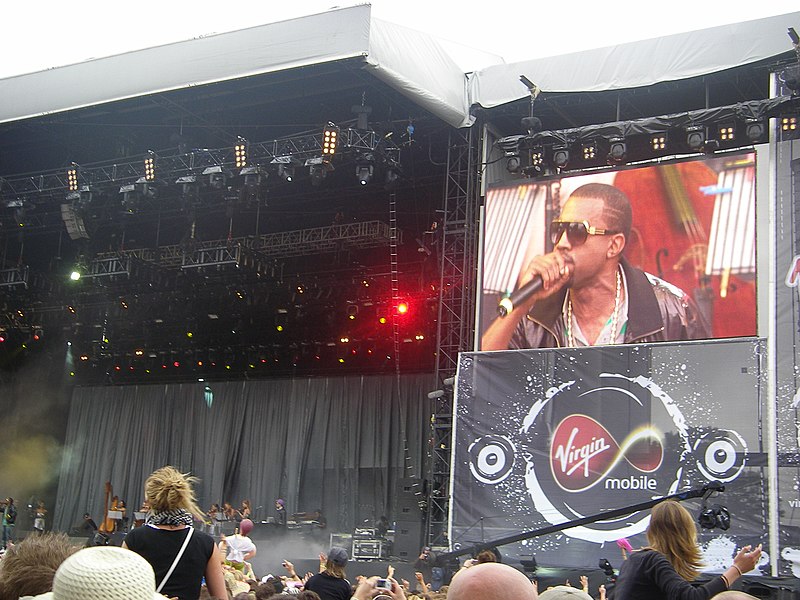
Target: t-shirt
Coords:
[(160, 547), (648, 575), (238, 546), (329, 587)]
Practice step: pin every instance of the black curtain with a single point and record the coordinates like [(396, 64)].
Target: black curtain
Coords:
[(336, 444)]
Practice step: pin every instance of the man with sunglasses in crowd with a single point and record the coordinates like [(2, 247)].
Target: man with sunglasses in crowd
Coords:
[(590, 295)]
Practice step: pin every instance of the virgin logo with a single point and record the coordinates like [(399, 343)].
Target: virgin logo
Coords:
[(583, 452)]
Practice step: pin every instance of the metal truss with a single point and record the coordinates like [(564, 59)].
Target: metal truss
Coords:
[(245, 252), (457, 290), (13, 278), (168, 168)]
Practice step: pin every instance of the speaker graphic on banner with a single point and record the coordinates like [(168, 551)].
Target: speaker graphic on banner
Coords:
[(572, 433)]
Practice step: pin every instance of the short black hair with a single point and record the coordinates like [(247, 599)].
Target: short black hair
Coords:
[(616, 205)]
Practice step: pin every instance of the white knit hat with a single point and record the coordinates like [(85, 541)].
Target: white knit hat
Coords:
[(105, 573)]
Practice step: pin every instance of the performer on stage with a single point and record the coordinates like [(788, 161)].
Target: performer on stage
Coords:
[(590, 295), (245, 512), (38, 519), (228, 511), (119, 505), (9, 521), (280, 512)]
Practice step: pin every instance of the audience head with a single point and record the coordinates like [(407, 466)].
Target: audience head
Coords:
[(564, 592), (29, 567), (490, 581), (105, 572), (672, 532), (336, 562), (734, 595), (246, 526), (169, 489), (485, 556)]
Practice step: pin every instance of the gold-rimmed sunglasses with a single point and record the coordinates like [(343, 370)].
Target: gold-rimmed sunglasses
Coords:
[(577, 231)]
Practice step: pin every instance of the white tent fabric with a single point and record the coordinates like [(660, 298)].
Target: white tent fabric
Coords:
[(416, 64), (334, 35), (638, 64)]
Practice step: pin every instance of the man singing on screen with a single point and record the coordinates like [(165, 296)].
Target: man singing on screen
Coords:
[(590, 295)]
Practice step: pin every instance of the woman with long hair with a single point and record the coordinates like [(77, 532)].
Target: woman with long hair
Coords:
[(179, 555), (663, 570)]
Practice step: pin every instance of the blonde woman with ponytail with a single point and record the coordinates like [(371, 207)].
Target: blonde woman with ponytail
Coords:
[(179, 555)]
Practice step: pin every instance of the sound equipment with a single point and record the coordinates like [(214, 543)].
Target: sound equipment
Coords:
[(408, 496), (407, 539), (343, 540), (370, 549)]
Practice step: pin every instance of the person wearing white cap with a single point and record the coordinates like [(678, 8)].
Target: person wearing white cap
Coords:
[(179, 555), (103, 573)]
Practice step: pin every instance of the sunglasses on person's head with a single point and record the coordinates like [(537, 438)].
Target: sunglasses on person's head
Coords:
[(577, 231)]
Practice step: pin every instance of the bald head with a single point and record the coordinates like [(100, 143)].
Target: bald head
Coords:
[(734, 595), (490, 581)]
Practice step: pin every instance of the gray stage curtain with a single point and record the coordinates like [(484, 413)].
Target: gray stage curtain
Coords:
[(339, 444)]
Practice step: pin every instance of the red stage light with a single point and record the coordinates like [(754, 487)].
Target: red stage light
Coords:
[(402, 308), (2, 339), (176, 364)]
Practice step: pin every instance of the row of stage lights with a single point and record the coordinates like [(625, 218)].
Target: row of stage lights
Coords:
[(286, 167), (618, 150)]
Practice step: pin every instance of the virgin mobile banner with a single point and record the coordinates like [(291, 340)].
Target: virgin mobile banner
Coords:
[(543, 437)]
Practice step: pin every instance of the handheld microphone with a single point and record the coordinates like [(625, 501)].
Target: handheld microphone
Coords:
[(519, 296)]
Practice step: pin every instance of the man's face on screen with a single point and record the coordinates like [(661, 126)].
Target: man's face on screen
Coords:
[(589, 256)]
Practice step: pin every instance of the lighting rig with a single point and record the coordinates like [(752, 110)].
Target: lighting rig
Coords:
[(540, 153)]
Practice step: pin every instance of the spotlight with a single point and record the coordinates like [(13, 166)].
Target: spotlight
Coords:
[(754, 130), (352, 311), (286, 172), (365, 167), (318, 168), (560, 156), (286, 165), (695, 137), (589, 150), (75, 275), (513, 164), (330, 135), (72, 178), (150, 167), (726, 132), (789, 124), (240, 153), (658, 142), (617, 150), (216, 177)]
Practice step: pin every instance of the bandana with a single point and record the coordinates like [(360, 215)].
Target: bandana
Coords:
[(177, 516)]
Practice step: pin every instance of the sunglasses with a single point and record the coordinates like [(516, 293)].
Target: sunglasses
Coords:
[(577, 231)]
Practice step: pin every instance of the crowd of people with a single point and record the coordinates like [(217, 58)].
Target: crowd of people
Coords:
[(169, 558)]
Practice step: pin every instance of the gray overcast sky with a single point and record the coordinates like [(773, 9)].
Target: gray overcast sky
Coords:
[(48, 33)]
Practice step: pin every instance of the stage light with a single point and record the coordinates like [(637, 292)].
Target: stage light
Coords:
[(216, 177), (513, 164), (286, 172), (352, 311), (560, 156), (317, 170), (789, 124), (537, 157), (726, 132), (75, 275), (365, 166), (240, 153), (382, 320), (402, 308), (658, 142), (754, 130), (150, 167), (72, 178), (330, 135), (617, 150), (695, 137), (589, 150)]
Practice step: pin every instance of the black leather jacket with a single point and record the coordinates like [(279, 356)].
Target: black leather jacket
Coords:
[(657, 312)]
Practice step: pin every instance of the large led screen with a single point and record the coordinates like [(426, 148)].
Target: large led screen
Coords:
[(691, 239)]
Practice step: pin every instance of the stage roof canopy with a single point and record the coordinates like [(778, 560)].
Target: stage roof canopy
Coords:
[(417, 65)]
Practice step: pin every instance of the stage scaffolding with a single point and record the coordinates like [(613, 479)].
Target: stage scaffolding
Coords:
[(456, 322)]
